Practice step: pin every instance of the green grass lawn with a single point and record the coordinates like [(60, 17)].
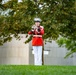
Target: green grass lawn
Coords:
[(37, 70)]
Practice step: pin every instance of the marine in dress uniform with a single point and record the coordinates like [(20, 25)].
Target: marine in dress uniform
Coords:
[(37, 41)]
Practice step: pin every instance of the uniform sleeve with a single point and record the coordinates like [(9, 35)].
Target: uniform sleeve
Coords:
[(42, 30), (30, 32)]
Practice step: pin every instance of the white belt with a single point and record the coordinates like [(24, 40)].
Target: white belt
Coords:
[(37, 35)]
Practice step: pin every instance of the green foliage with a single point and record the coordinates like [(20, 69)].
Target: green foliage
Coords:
[(37, 70), (58, 18), (69, 44)]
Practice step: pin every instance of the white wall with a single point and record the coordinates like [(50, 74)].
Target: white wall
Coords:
[(15, 52), (56, 55), (18, 53)]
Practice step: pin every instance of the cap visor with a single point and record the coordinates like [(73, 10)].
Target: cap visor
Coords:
[(37, 21)]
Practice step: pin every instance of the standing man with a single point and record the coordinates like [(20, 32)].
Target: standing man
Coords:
[(37, 42)]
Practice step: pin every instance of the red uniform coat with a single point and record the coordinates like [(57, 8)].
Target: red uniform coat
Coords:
[(37, 37)]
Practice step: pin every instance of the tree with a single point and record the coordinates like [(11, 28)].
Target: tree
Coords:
[(70, 44), (58, 18)]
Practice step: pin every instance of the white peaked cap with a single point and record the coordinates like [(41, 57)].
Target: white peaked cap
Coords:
[(37, 20)]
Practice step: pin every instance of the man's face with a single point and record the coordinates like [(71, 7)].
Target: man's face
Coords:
[(37, 23)]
